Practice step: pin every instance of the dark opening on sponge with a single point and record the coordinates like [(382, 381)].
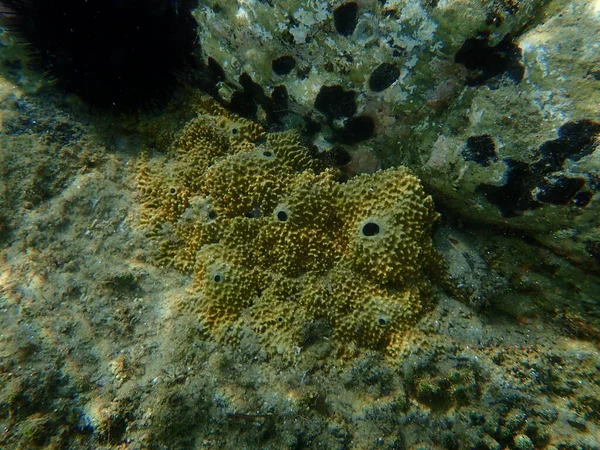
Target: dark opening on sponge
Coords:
[(370, 229)]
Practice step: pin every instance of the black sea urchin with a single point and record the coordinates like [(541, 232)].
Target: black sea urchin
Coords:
[(123, 54)]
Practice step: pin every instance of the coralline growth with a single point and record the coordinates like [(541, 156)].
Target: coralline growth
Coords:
[(275, 242)]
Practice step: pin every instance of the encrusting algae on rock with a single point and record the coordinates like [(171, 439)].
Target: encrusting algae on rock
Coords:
[(275, 242)]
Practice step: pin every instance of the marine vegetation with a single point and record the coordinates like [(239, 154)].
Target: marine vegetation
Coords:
[(276, 243)]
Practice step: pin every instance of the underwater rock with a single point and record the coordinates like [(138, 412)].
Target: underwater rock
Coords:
[(433, 77), (276, 243), (542, 175)]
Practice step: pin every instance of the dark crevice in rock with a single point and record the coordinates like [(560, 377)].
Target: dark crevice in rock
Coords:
[(383, 77), (357, 129), (345, 18), (485, 62), (334, 101), (514, 196), (283, 65), (530, 186), (481, 149), (575, 140)]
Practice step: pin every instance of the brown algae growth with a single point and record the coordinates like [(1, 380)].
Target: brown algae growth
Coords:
[(276, 243)]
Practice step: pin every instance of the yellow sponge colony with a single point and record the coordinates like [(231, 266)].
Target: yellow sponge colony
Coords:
[(276, 243)]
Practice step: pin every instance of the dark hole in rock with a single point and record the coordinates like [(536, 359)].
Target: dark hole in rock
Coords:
[(399, 51), (267, 154), (480, 149), (381, 322), (215, 70), (218, 278), (311, 126), (115, 430), (173, 191), (383, 77), (582, 198), (370, 229), (514, 196), (234, 131), (345, 18), (282, 216), (283, 65), (559, 190), (575, 140), (212, 214), (245, 102), (253, 87), (280, 98), (485, 62), (334, 101), (357, 129)]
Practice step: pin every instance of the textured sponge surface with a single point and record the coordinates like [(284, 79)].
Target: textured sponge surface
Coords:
[(275, 242)]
